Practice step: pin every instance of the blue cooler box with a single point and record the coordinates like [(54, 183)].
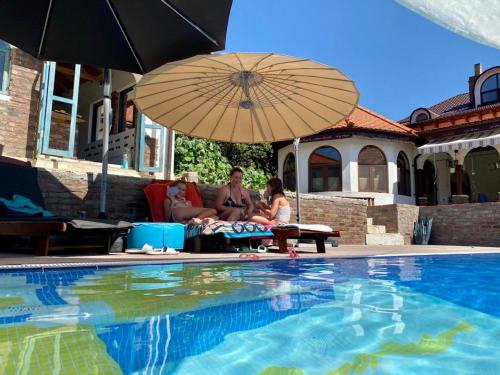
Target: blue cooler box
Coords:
[(157, 235)]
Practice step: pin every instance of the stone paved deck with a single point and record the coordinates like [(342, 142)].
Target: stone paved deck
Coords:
[(343, 251)]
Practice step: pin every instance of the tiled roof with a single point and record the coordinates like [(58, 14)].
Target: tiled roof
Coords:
[(364, 119), (455, 104)]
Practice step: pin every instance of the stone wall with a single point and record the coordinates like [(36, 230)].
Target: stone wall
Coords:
[(474, 224), (20, 107), (397, 218)]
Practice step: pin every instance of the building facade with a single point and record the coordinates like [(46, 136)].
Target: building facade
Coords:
[(366, 156), (460, 160), (52, 111)]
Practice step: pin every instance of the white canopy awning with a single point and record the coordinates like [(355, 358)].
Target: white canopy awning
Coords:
[(461, 142)]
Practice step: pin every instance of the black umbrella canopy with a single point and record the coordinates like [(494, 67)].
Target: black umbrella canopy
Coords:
[(131, 35)]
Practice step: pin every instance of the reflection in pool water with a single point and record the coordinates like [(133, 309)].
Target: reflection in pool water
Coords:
[(408, 315)]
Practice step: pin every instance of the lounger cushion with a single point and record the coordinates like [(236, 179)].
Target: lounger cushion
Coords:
[(22, 180), (156, 193)]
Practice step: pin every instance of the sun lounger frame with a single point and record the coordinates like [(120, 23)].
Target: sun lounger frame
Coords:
[(283, 234)]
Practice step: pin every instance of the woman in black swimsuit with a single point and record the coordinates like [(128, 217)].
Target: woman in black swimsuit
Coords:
[(233, 201)]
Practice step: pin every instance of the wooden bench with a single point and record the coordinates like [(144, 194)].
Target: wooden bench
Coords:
[(283, 234)]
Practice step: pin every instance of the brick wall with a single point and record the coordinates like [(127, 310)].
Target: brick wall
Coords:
[(67, 193), (397, 218), (476, 224), (19, 114)]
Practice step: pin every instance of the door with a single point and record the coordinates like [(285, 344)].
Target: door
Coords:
[(151, 145), (58, 110)]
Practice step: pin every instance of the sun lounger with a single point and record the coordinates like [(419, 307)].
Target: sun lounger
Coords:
[(49, 232), (316, 232)]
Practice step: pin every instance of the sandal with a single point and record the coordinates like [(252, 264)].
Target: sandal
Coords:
[(261, 249)]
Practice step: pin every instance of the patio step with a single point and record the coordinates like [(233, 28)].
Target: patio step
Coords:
[(375, 229), (369, 221), (384, 239)]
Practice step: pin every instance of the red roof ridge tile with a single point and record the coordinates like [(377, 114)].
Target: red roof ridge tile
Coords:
[(389, 121)]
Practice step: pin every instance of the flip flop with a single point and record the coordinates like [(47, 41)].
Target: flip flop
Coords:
[(260, 249)]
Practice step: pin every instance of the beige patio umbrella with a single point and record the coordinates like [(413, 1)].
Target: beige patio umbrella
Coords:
[(246, 97)]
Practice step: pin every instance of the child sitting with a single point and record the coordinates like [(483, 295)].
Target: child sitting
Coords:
[(179, 210), (278, 212)]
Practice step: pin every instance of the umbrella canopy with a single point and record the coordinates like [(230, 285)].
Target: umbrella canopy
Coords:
[(246, 97), (475, 19), (135, 36)]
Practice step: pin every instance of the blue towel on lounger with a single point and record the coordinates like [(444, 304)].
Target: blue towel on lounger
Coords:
[(22, 206)]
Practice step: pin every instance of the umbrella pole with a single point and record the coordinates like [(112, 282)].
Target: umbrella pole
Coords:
[(296, 142), (105, 141)]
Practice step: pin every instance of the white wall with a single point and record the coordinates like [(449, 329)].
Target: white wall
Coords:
[(349, 149)]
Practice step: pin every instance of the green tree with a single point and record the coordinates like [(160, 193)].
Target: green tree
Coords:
[(213, 160)]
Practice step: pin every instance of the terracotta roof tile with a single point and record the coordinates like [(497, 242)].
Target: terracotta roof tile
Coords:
[(364, 119)]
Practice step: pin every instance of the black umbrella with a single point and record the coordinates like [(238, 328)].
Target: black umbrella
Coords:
[(131, 35)]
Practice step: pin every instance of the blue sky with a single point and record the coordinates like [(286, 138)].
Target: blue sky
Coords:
[(398, 59)]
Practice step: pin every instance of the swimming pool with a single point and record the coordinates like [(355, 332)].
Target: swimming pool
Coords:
[(394, 315)]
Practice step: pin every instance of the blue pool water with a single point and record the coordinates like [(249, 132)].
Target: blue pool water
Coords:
[(398, 315)]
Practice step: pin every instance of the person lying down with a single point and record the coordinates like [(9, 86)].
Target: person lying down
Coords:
[(180, 210)]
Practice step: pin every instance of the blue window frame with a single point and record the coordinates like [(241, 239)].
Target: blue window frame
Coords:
[(152, 139), (4, 67), (49, 103)]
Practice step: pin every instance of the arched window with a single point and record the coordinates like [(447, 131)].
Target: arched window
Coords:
[(325, 170), (289, 172), (372, 170), (421, 117), (490, 90), (404, 181), (4, 67)]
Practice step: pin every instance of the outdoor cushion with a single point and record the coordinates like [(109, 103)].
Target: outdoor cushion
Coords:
[(156, 193), (21, 180), (157, 235), (238, 229)]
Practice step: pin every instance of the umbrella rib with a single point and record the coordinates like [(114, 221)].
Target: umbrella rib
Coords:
[(183, 64), (309, 110), (258, 62), (239, 60), (184, 79), (259, 123), (213, 82), (237, 113), (232, 68), (191, 22), (125, 36), (176, 97), (313, 100), (264, 113), (299, 116), (280, 76), (222, 114), (285, 62), (314, 84), (213, 107), (47, 17), (277, 111), (316, 92), (319, 68)]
